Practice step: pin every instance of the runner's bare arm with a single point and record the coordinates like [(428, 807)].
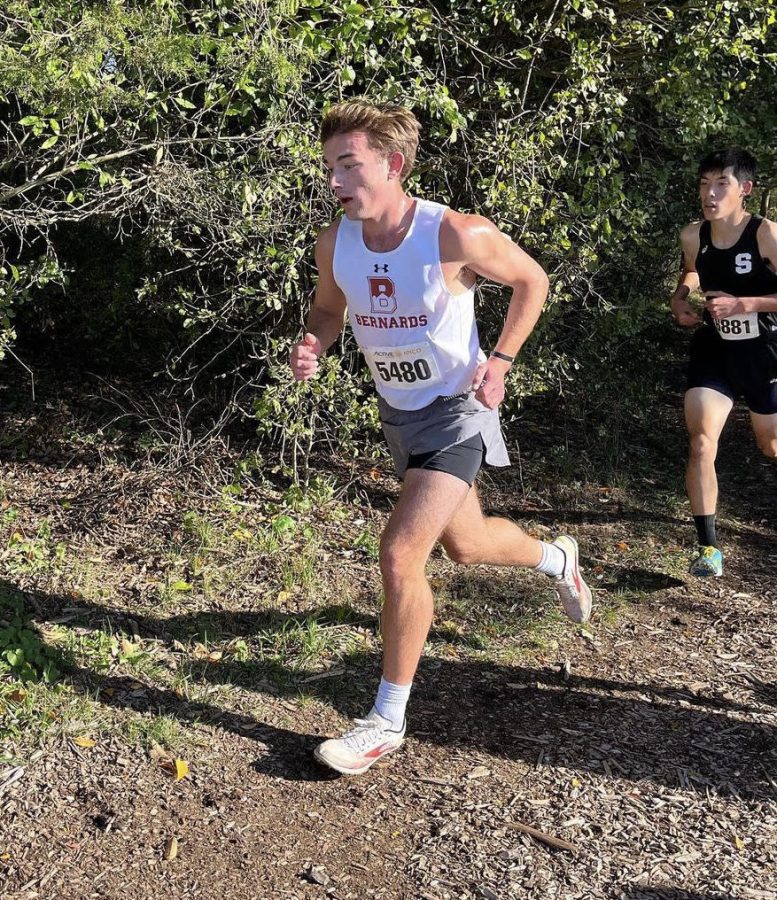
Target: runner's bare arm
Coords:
[(477, 244), (327, 313), (722, 305), (682, 310)]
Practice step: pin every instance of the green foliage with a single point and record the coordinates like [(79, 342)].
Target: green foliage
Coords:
[(191, 129), (23, 655), (33, 554)]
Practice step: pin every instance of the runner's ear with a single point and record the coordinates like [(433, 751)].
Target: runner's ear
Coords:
[(396, 162)]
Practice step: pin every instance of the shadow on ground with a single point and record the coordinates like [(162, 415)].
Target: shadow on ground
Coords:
[(630, 729)]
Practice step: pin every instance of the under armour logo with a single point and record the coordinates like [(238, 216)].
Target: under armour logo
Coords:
[(379, 268), (704, 248)]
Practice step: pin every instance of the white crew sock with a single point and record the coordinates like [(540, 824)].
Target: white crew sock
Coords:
[(553, 560), (391, 702)]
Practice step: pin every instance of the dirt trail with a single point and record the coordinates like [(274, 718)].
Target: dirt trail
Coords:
[(655, 758)]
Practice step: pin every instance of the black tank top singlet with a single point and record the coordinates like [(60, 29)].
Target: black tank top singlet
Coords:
[(739, 270)]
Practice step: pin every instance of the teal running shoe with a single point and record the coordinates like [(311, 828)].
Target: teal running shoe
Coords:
[(709, 561)]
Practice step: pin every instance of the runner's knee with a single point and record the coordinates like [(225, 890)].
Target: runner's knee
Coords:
[(399, 559), (702, 446)]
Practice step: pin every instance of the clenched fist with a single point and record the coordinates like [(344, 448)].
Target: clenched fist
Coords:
[(303, 358)]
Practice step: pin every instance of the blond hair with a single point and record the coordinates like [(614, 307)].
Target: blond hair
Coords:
[(389, 128)]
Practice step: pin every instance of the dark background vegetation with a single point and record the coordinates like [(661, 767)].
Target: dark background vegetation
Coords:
[(161, 185)]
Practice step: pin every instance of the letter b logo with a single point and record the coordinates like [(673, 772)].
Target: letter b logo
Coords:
[(382, 295)]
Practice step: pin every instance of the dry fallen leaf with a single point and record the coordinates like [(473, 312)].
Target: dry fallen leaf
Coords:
[(622, 546), (316, 875), (83, 741), (171, 848), (738, 842), (157, 752), (181, 769)]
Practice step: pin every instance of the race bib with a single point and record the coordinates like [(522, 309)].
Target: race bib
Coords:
[(737, 328), (403, 368)]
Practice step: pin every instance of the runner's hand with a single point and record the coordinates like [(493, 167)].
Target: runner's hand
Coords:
[(488, 382), (303, 358), (722, 305), (684, 314)]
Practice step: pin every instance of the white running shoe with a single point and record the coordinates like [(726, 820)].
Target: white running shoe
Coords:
[(362, 747), (573, 592)]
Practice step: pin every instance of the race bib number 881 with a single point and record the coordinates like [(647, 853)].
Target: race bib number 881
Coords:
[(738, 328), (403, 368)]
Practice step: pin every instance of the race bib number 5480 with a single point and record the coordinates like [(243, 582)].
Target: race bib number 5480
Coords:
[(403, 368)]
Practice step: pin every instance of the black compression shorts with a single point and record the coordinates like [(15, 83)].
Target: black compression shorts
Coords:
[(463, 460), (745, 369)]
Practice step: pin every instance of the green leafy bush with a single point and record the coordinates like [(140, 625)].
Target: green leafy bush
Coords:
[(186, 134)]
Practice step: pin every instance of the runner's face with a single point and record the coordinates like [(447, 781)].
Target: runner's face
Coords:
[(361, 178), (721, 194)]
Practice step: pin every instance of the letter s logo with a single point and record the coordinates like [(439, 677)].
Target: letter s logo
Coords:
[(744, 263)]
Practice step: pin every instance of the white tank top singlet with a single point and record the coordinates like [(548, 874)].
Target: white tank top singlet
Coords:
[(420, 340)]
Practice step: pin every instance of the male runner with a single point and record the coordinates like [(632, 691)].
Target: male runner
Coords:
[(405, 269), (732, 256)]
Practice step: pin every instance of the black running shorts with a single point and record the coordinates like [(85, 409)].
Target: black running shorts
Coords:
[(463, 460), (745, 369)]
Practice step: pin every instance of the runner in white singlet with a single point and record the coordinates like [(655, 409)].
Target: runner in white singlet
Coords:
[(404, 270)]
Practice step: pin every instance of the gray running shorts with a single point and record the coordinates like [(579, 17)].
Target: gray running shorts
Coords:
[(443, 423)]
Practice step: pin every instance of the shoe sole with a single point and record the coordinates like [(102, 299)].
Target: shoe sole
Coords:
[(344, 770)]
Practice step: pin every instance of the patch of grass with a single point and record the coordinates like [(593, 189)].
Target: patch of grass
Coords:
[(368, 543), (490, 614), (10, 515), (298, 642), (200, 529), (166, 731), (80, 714), (33, 555), (90, 577), (23, 710), (299, 570), (86, 648)]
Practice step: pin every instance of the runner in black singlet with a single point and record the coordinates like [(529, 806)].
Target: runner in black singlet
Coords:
[(731, 256)]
